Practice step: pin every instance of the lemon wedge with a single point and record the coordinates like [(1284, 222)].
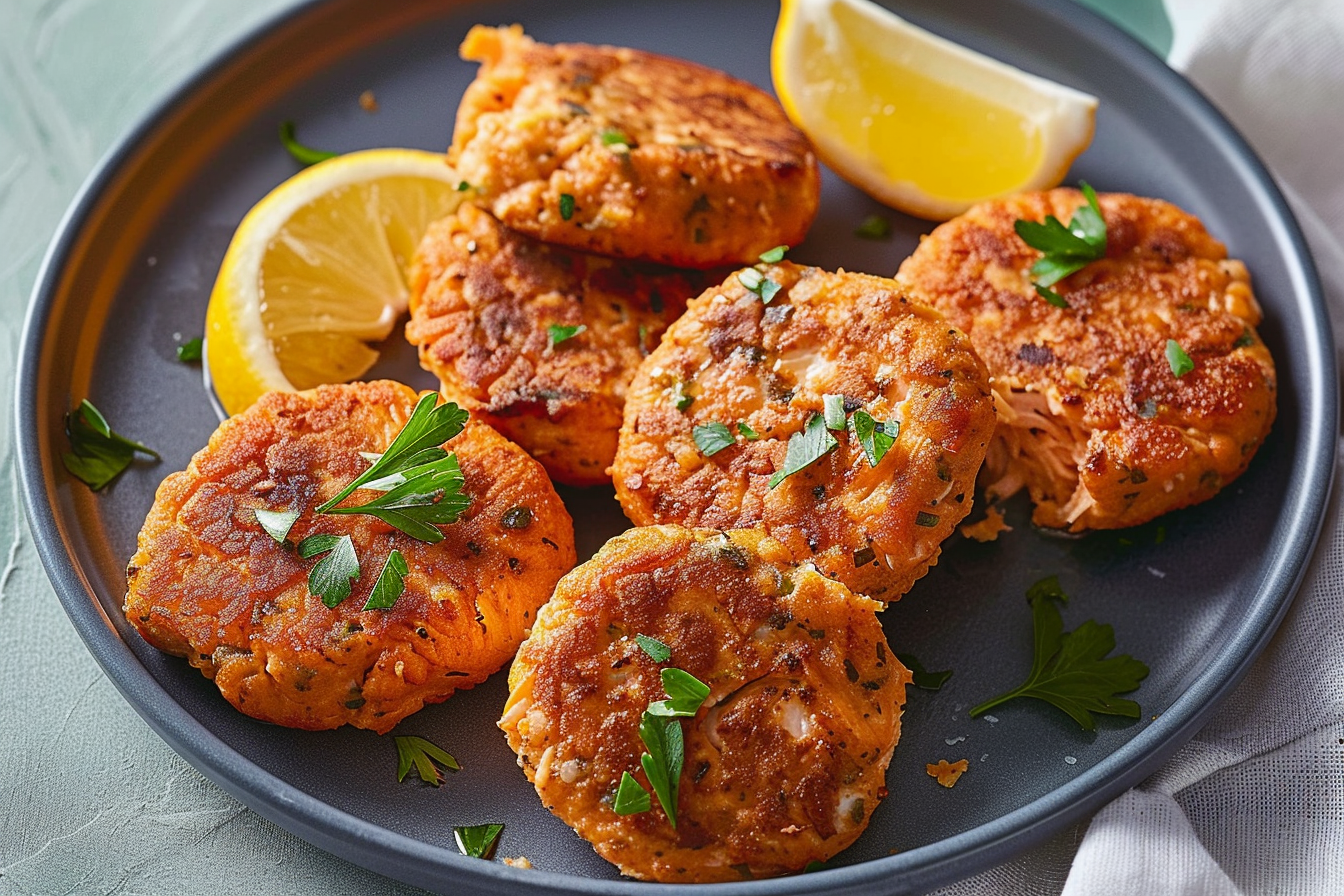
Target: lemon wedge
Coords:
[(317, 270), (918, 122)]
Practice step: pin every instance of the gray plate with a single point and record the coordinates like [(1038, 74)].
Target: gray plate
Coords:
[(1196, 596)]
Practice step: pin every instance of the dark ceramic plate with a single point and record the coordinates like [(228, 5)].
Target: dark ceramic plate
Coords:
[(1195, 596)]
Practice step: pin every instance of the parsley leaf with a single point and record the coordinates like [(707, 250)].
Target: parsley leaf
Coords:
[(615, 139), (304, 155), (430, 496), (566, 206), (711, 438), (98, 455), (391, 582), (1071, 670), (833, 409), (1180, 362), (277, 523), (754, 281), (874, 227), (1066, 249), (875, 437), (631, 798), (1051, 296), (775, 255), (463, 186), (556, 334), (747, 432), (331, 577), (922, 678), (665, 742), (805, 448), (477, 840), (685, 694), (657, 650), (190, 350), (421, 754)]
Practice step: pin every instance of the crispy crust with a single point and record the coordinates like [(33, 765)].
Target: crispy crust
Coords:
[(876, 530), (1092, 420), (785, 761), (713, 172), (209, 584), (482, 300)]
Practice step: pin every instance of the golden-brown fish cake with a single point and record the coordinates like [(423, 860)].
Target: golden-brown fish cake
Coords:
[(209, 584), (769, 366), (1093, 420), (785, 761), (483, 298), (661, 159)]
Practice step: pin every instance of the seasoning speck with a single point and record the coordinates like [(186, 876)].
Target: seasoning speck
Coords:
[(368, 102)]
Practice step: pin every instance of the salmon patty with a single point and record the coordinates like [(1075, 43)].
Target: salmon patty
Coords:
[(539, 341), (736, 396), (630, 154), (1094, 420), (209, 584), (785, 756)]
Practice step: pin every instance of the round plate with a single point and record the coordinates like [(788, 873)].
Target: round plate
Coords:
[(1195, 595)]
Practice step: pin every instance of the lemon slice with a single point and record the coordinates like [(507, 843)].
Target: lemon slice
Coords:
[(317, 270), (918, 122)]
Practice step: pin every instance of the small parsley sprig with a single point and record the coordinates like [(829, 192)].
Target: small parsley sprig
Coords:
[(420, 754), (815, 441), (477, 841), (332, 577), (98, 455), (1067, 249), (1071, 670), (558, 333)]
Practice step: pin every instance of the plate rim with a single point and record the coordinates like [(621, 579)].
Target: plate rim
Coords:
[(420, 863)]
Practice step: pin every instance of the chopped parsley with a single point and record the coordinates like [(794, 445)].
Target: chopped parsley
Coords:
[(391, 582), (331, 577), (682, 400), (1071, 670), (631, 798), (685, 693), (747, 432), (190, 350), (922, 678), (277, 523), (556, 334), (516, 518), (566, 206), (477, 841), (1066, 249), (833, 410), (657, 650), (927, 520), (775, 255), (665, 742), (805, 448), (304, 155), (711, 438), (875, 437), (98, 455), (754, 281), (874, 227), (1176, 357), (420, 754), (615, 139), (463, 186)]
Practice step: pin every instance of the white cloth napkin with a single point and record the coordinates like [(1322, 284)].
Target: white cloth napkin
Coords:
[(1254, 804)]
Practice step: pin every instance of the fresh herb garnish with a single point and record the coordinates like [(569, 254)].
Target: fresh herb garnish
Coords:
[(747, 432), (463, 186), (566, 206), (98, 455), (1071, 670), (631, 798), (874, 227), (682, 400), (657, 650), (615, 139), (277, 523), (1180, 362), (875, 436), (1051, 296), (190, 350), (516, 518), (833, 410), (421, 754), (556, 334), (921, 677), (391, 582), (685, 693), (304, 155), (805, 448), (1066, 249), (754, 281), (331, 577), (423, 482), (478, 840), (774, 256), (662, 763), (711, 438), (926, 519)]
